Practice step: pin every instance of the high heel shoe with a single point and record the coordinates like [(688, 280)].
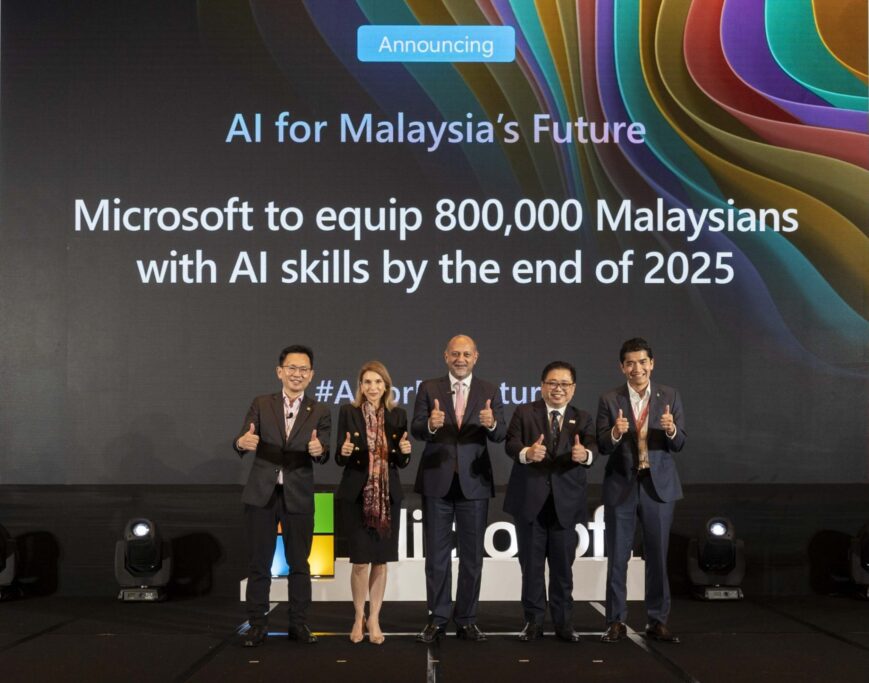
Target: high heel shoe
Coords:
[(357, 635), (375, 636)]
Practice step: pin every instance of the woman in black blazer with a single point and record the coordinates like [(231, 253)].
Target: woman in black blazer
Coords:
[(375, 445)]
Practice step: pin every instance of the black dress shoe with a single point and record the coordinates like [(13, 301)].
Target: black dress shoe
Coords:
[(302, 634), (470, 632), (615, 632), (567, 634), (255, 636), (430, 633), (530, 631), (658, 631)]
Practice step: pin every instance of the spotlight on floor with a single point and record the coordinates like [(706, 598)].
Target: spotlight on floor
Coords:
[(716, 561), (143, 563), (858, 556), (7, 564)]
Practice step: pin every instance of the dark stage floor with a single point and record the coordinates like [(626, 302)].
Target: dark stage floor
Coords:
[(98, 639)]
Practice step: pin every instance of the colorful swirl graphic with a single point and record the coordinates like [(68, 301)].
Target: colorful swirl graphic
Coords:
[(761, 102)]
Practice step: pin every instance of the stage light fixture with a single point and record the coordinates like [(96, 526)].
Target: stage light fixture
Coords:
[(858, 556), (141, 529), (7, 563), (716, 561), (143, 563), (717, 528)]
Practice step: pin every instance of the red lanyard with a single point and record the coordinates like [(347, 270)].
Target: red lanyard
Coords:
[(641, 418)]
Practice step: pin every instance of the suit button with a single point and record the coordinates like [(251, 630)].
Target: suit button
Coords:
[(356, 449), (392, 451)]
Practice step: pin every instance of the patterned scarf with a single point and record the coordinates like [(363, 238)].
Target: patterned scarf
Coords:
[(375, 495)]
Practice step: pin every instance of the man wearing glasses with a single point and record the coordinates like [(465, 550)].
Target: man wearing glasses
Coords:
[(552, 444), (287, 432)]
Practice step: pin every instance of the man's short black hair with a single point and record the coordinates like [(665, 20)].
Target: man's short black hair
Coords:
[(297, 348), (634, 345), (559, 365)]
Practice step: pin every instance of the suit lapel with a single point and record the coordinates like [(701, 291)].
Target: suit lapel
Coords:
[(541, 419), (390, 427), (624, 402), (655, 409), (278, 408), (446, 398), (303, 416), (360, 431), (656, 406), (474, 401), (544, 421), (566, 428)]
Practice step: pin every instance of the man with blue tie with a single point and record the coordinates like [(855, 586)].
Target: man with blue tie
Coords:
[(456, 416), (640, 426)]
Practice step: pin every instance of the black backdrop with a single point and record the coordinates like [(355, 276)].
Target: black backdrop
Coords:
[(110, 380), (120, 398)]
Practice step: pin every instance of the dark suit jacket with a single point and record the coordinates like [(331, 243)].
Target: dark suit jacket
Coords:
[(275, 453), (355, 475), (450, 447), (621, 473), (531, 484)]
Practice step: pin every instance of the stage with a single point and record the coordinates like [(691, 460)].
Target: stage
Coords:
[(197, 639), (188, 188)]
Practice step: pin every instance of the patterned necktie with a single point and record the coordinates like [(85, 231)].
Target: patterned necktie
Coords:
[(554, 430), (460, 402)]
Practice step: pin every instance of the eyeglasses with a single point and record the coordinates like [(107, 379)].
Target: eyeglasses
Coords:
[(552, 386), (295, 369)]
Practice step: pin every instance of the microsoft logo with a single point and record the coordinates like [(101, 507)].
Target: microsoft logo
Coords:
[(322, 557)]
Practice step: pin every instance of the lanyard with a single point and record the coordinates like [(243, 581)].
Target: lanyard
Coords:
[(641, 418)]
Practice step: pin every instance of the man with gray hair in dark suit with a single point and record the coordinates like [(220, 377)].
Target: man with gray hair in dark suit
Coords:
[(456, 416)]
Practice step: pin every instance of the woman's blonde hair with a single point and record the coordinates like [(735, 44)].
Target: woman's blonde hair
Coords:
[(380, 369)]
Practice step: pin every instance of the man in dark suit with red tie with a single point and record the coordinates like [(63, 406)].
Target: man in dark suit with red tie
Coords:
[(456, 416), (552, 444), (287, 432), (640, 426)]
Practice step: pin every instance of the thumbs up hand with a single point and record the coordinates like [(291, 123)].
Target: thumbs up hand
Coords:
[(249, 440), (487, 417), (315, 448), (404, 444), (667, 423), (347, 446), (436, 417), (536, 451), (620, 428), (578, 452)]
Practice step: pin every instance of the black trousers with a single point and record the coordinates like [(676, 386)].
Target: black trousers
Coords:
[(470, 518), (656, 518), (297, 531), (540, 541)]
